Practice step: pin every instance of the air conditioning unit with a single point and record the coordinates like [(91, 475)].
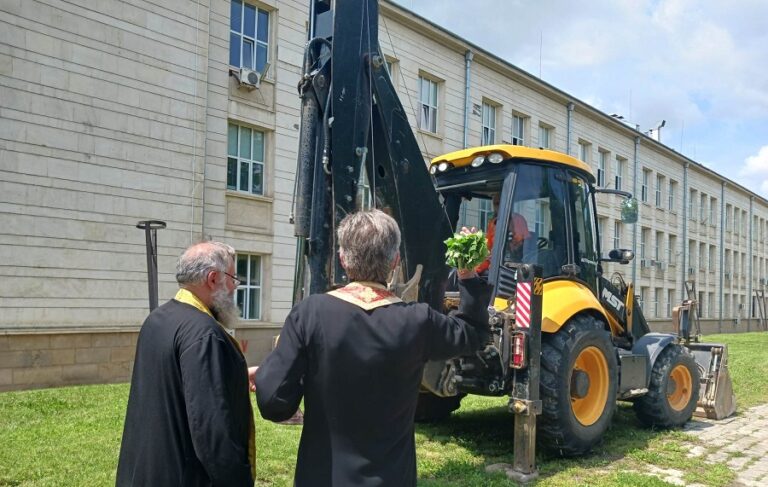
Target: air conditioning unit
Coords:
[(249, 78)]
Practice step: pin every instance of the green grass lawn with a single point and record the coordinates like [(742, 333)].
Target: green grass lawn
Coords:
[(71, 437)]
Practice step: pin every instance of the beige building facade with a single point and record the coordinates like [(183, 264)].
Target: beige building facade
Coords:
[(115, 112)]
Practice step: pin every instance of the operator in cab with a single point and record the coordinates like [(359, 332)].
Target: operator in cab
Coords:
[(356, 355), (517, 233)]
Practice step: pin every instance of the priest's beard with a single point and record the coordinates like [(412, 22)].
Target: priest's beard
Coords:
[(223, 307)]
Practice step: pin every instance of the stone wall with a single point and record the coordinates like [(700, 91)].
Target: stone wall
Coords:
[(37, 360)]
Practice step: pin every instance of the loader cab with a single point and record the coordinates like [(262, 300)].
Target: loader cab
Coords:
[(546, 210)]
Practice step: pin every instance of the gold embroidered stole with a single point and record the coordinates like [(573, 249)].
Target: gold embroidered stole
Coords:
[(366, 295)]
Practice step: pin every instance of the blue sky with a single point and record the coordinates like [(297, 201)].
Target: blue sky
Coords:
[(701, 65)]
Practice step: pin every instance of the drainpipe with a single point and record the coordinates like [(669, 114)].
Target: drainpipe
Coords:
[(634, 227), (685, 229), (467, 71), (569, 130), (722, 254), (751, 269)]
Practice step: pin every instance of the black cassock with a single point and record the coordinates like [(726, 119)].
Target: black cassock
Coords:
[(187, 421), (359, 372)]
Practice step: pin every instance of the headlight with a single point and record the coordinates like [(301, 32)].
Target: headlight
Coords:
[(495, 158), (478, 161), (443, 166), (432, 169)]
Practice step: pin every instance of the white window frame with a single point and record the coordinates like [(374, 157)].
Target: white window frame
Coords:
[(658, 251), (429, 91), (671, 195), (602, 160), (617, 234), (659, 185), (250, 283), (488, 135), (619, 174), (545, 136), (518, 129), (254, 41), (644, 186), (249, 161), (585, 151)]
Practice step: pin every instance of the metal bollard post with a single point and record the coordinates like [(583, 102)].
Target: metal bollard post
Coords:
[(150, 228)]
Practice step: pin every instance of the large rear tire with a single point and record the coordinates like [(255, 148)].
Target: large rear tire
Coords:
[(431, 408), (578, 386), (672, 392)]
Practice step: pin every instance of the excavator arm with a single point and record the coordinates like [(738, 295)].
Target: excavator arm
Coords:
[(355, 138)]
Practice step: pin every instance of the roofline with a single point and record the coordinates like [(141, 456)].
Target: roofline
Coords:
[(455, 41)]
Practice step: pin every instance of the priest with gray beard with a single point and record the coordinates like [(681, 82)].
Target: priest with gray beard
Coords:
[(189, 420)]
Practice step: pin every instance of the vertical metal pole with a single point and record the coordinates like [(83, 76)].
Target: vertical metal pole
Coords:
[(150, 228), (525, 402)]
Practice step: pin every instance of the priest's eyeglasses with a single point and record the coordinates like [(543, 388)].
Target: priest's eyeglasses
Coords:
[(237, 280)]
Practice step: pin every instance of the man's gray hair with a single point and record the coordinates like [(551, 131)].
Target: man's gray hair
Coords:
[(369, 241), (200, 259)]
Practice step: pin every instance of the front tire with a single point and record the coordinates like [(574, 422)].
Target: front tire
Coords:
[(672, 392), (578, 386)]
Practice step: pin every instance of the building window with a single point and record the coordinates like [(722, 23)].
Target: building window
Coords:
[(248, 295), (671, 195), (643, 242), (712, 211), (692, 205), (489, 124), (670, 301), (245, 159), (644, 186), (671, 242), (545, 137), (248, 36), (427, 105), (659, 185), (617, 234), (619, 173), (703, 208), (585, 150), (657, 251), (601, 163), (538, 224), (728, 218), (485, 213), (518, 130)]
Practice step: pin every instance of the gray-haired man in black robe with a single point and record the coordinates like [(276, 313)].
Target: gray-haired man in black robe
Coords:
[(189, 420), (356, 355)]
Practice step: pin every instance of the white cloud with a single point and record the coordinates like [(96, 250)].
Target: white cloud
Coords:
[(754, 172), (698, 64)]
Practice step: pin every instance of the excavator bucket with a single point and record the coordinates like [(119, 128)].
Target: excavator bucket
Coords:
[(716, 398)]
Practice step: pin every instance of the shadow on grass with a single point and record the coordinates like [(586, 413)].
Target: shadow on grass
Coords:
[(487, 435)]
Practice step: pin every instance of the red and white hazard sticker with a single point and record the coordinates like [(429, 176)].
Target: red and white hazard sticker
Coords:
[(523, 305)]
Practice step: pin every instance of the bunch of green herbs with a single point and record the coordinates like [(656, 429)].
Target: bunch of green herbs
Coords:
[(466, 250)]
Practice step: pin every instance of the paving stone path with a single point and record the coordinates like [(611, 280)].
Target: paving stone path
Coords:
[(741, 442)]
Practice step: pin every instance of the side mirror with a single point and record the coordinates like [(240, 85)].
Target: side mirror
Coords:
[(629, 210), (622, 256)]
